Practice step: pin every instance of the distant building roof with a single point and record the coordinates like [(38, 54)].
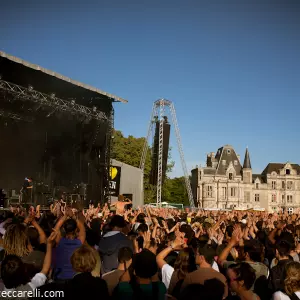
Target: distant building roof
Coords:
[(275, 167), (262, 178), (209, 171), (227, 154)]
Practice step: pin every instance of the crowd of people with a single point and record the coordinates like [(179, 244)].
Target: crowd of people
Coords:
[(148, 253)]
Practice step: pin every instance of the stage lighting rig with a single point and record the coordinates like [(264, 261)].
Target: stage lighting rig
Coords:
[(29, 94)]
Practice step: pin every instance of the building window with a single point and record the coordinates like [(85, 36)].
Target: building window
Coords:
[(273, 198), (257, 186), (289, 199), (256, 197), (288, 172), (282, 198), (273, 185), (232, 192), (274, 208), (289, 185), (290, 210), (247, 196), (228, 151), (230, 176), (224, 192), (209, 191), (283, 184)]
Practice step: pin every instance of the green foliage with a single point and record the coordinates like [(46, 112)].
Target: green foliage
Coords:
[(174, 191), (129, 151)]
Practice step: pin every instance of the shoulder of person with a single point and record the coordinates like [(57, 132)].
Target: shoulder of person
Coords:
[(280, 296), (38, 280), (160, 285)]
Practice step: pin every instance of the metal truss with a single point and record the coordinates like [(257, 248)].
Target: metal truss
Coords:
[(158, 112), (183, 164), (15, 116), (29, 94)]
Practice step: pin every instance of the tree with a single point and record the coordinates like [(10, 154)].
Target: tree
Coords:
[(174, 191)]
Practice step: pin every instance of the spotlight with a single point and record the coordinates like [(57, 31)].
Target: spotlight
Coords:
[(52, 96), (94, 108), (73, 102), (30, 88)]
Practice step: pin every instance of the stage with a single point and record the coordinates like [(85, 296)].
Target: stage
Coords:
[(54, 129)]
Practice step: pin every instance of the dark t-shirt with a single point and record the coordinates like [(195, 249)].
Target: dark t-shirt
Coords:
[(62, 258)]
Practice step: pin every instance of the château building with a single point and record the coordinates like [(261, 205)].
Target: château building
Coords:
[(227, 184)]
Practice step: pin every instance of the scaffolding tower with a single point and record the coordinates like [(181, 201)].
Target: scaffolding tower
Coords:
[(158, 112)]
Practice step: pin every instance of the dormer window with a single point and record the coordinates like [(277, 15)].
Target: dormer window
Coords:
[(228, 151), (288, 172), (230, 176)]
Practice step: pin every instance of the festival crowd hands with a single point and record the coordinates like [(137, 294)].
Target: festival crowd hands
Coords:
[(240, 251)]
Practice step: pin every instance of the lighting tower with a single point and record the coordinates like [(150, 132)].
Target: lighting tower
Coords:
[(158, 112)]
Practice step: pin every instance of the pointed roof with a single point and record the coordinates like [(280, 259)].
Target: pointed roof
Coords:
[(247, 162)]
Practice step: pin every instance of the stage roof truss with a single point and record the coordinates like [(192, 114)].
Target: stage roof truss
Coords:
[(29, 94)]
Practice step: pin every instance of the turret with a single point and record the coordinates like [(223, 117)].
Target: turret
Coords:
[(247, 169)]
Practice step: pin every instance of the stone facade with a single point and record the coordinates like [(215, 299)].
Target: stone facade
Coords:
[(225, 184)]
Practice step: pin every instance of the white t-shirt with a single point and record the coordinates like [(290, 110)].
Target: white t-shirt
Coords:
[(282, 296), (166, 274), (215, 266), (38, 280)]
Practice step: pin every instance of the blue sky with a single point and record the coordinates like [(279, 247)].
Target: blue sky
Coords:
[(231, 67)]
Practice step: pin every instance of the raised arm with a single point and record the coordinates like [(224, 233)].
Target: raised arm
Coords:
[(236, 236), (81, 228), (42, 235), (176, 245), (48, 256)]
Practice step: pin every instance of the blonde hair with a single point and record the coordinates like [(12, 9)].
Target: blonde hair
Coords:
[(16, 241), (292, 279), (84, 259)]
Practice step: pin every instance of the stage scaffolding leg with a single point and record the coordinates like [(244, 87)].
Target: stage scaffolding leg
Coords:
[(183, 164), (158, 112), (160, 152)]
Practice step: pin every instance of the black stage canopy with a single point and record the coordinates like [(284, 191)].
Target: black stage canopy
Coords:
[(53, 129)]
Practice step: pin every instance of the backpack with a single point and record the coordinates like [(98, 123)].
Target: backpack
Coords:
[(294, 297)]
